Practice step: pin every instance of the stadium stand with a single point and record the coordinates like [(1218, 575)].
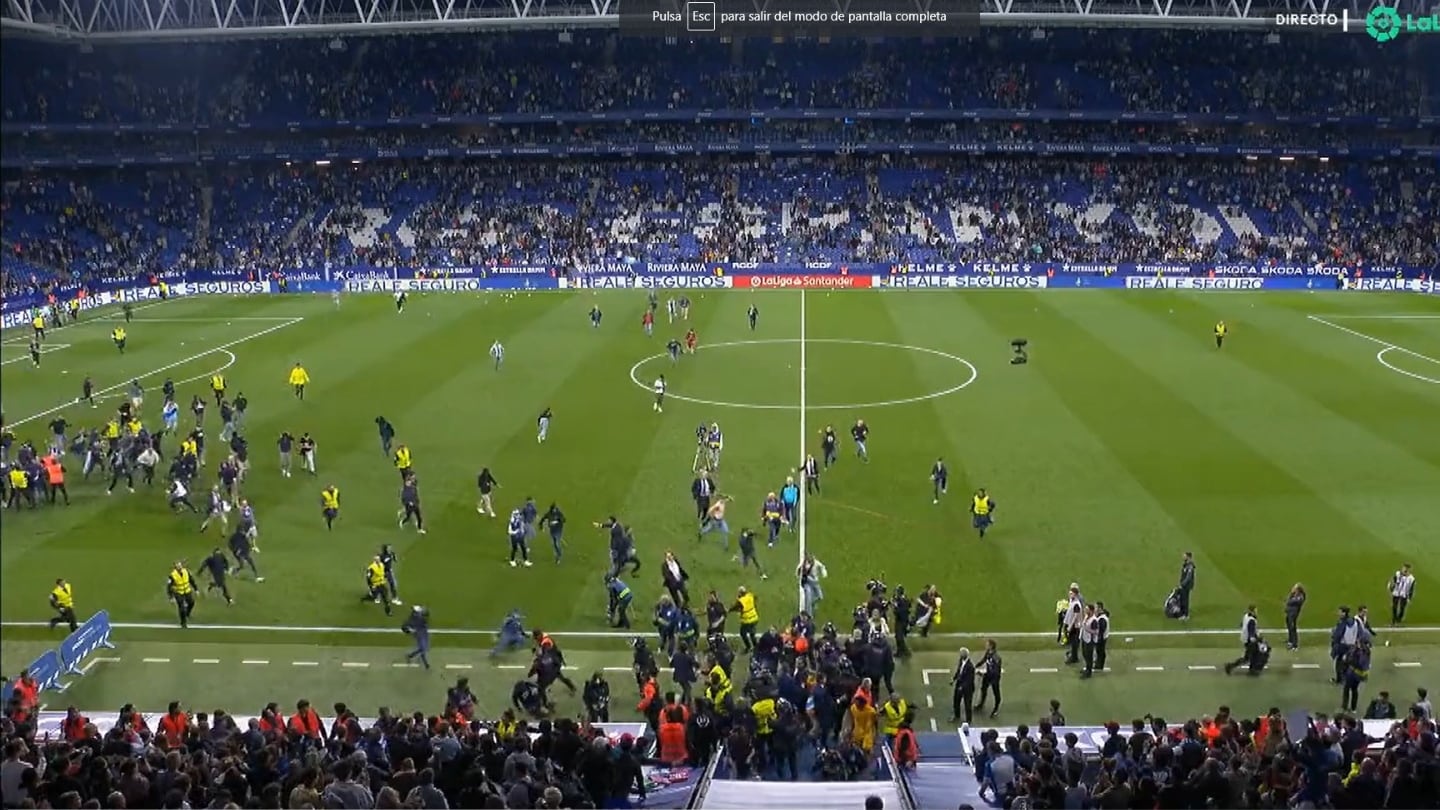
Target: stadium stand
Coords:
[(278, 83), (955, 209), (386, 196)]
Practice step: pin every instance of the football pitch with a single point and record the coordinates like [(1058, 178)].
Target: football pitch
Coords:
[(1307, 449)]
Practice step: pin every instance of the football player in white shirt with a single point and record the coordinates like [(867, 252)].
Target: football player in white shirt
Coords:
[(1402, 590), (660, 394), (180, 496)]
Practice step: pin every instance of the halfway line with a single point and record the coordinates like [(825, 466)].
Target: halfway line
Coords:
[(800, 511)]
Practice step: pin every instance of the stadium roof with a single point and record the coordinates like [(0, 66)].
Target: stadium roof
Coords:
[(152, 20)]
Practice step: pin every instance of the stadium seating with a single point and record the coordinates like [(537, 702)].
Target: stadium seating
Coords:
[(278, 83), (128, 129), (428, 214)]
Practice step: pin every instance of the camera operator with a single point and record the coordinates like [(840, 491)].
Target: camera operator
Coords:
[(1250, 635), (526, 697), (597, 699), (877, 601)]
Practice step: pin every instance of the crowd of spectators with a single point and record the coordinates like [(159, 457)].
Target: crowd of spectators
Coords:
[(1115, 69), (834, 208), (452, 759), (1222, 760), (415, 761)]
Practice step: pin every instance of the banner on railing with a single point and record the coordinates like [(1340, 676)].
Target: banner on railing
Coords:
[(18, 311), (1192, 283), (589, 274), (917, 281)]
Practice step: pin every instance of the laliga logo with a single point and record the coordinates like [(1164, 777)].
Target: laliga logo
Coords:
[(1385, 23), (1382, 23)]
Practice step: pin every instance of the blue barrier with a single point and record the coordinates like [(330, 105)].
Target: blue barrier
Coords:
[(47, 670), (93, 635)]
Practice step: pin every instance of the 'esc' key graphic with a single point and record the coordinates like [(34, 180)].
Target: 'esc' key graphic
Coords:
[(701, 17)]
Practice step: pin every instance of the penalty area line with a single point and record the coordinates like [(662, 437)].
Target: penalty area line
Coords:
[(156, 371), (1385, 344)]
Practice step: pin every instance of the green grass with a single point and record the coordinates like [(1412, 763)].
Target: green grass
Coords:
[(1291, 455)]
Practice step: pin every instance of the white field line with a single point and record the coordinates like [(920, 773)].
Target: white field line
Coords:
[(925, 674), (458, 631), (85, 670), (800, 507), (205, 319), (1407, 317), (48, 348), (109, 316), (153, 372), (1377, 341)]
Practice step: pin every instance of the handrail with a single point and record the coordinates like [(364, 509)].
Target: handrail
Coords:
[(897, 775), (697, 796)]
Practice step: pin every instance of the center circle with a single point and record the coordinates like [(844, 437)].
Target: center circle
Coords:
[(973, 374), (1388, 363)]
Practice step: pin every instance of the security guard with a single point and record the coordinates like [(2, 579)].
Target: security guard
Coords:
[(718, 690), (299, 378), (181, 587), (749, 617), (217, 387), (402, 461), (892, 715), (376, 582), (62, 599), (117, 336), (983, 510), (19, 489), (1221, 330)]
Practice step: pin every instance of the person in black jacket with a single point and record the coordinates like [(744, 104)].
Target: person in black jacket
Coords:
[(1294, 603), (903, 619), (675, 577), (626, 774), (963, 680), (702, 489), (990, 672), (703, 731), (685, 668), (1187, 584), (715, 613)]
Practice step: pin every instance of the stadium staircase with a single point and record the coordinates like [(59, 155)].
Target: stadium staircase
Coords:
[(1310, 224), (945, 777), (720, 789), (202, 217), (299, 226)]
